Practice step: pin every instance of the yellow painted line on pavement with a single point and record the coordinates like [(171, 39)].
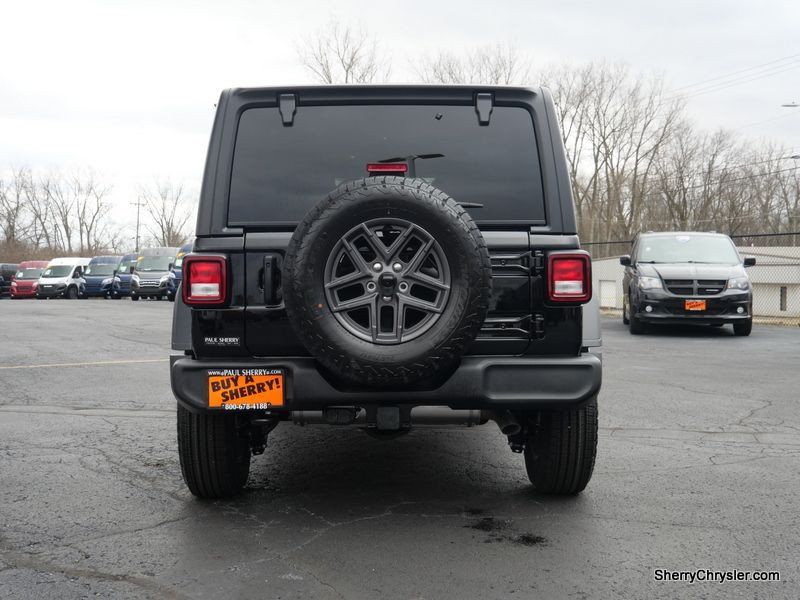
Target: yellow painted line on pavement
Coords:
[(87, 364)]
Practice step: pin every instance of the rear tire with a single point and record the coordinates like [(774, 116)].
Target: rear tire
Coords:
[(134, 297), (744, 328), (72, 293), (214, 453), (560, 449)]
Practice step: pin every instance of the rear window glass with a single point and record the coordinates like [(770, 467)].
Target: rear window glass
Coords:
[(279, 172)]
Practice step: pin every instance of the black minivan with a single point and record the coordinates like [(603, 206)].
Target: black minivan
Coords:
[(686, 277)]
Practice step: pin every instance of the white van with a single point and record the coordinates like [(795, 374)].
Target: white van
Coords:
[(62, 278)]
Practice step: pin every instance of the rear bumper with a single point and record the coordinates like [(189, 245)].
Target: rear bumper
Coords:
[(480, 382)]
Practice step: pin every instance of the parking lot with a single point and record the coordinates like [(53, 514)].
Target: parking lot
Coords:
[(697, 467)]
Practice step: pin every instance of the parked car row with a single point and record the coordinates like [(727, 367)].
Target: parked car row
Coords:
[(151, 273)]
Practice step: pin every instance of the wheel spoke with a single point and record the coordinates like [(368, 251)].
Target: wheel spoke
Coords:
[(355, 257), (427, 281), (416, 261), (397, 246), (365, 300), (406, 300), (395, 333), (346, 280), (377, 246)]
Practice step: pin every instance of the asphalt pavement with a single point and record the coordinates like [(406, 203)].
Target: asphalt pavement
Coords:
[(697, 467)]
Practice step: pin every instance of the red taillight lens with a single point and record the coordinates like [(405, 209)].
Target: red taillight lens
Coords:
[(204, 279), (569, 278), (387, 168)]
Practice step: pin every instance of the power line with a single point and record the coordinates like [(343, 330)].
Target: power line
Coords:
[(743, 81), (677, 175), (767, 121), (727, 75), (744, 178), (739, 80)]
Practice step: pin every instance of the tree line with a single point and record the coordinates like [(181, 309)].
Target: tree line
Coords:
[(636, 159), (68, 213)]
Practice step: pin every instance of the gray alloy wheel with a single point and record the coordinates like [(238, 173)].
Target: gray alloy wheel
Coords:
[(387, 281)]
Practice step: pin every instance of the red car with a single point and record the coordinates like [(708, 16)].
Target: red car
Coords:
[(24, 282)]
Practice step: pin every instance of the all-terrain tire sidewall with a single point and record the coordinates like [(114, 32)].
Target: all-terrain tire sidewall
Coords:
[(315, 238), (214, 453), (561, 449)]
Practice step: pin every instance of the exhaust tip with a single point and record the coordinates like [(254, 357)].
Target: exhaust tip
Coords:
[(506, 422), (511, 429)]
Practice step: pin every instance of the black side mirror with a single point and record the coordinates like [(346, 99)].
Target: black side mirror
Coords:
[(170, 267), (750, 261), (625, 260), (132, 269)]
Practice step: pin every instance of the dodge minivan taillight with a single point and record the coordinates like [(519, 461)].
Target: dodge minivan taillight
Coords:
[(569, 277), (204, 279)]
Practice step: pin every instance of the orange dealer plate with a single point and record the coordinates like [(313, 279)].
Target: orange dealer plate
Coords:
[(695, 305), (245, 388)]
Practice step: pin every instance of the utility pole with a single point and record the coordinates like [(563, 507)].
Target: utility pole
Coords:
[(138, 204)]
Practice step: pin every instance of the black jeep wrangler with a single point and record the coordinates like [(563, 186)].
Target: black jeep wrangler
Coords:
[(384, 257)]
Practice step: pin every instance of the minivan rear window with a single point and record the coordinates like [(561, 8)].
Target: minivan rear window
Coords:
[(280, 172)]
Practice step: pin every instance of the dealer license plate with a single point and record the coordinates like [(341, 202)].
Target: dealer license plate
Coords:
[(233, 389), (694, 305)]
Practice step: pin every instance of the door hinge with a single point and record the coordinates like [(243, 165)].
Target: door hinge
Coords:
[(537, 266), (484, 103), (287, 105), (537, 326)]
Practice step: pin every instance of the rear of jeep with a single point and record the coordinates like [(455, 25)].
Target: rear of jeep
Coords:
[(385, 257)]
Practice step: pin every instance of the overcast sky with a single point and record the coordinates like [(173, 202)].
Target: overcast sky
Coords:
[(129, 88)]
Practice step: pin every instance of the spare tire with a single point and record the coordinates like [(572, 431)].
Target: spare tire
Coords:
[(386, 281)]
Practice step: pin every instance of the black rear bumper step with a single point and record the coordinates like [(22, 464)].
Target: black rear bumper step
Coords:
[(480, 382)]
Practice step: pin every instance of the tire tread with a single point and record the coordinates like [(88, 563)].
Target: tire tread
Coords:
[(561, 449)]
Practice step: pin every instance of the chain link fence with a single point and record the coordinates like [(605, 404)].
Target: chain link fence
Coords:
[(775, 278)]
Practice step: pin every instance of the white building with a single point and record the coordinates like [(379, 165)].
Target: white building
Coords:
[(775, 279)]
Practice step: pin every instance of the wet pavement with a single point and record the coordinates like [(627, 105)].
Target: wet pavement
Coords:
[(697, 467)]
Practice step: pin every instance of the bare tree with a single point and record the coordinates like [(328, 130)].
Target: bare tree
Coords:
[(13, 199), (491, 65), (61, 207), (165, 203), (92, 210), (340, 53), (615, 128)]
